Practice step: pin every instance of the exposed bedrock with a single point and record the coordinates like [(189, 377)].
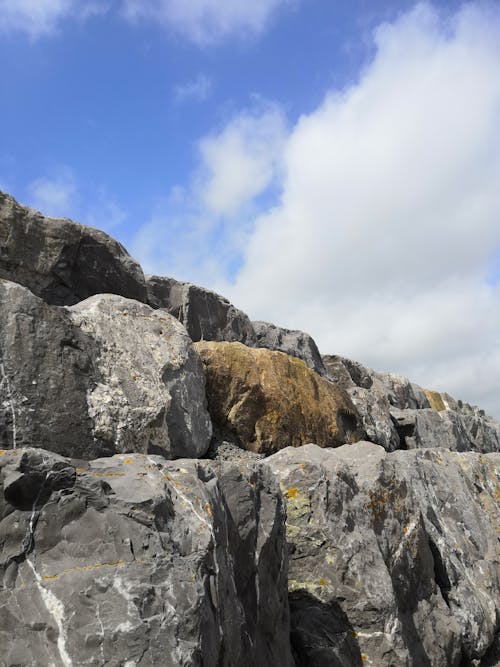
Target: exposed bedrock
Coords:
[(268, 400), (394, 557), (61, 261), (108, 375), (133, 560)]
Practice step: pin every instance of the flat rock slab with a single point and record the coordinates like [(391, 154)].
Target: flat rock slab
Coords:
[(269, 400), (133, 560), (394, 557)]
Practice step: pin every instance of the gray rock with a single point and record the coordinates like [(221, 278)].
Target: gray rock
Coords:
[(133, 560), (296, 343), (393, 556), (61, 261), (108, 375), (205, 314), (398, 414)]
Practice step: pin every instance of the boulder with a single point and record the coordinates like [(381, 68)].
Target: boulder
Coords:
[(205, 314), (393, 556), (108, 375), (296, 343), (267, 400), (61, 261), (133, 560)]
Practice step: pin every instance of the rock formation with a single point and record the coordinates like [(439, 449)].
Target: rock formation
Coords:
[(129, 536), (268, 400)]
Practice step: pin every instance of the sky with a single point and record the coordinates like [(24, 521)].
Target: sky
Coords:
[(328, 166)]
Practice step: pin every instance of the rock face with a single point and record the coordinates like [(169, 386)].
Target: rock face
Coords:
[(108, 375), (398, 414), (393, 557), (296, 343), (268, 400), (267, 552), (205, 314), (61, 261), (138, 561)]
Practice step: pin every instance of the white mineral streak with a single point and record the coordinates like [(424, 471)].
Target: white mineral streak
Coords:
[(5, 382), (56, 609)]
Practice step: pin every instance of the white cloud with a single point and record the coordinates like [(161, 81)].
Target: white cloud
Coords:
[(381, 243), (241, 161), (62, 195), (41, 17), (197, 90), (54, 197), (206, 21), (238, 164)]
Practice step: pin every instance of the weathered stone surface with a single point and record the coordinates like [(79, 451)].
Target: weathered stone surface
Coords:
[(133, 560), (394, 557), (268, 400), (61, 261), (398, 414), (205, 314), (108, 375), (296, 343)]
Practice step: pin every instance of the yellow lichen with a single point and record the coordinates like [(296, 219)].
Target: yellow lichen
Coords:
[(435, 400)]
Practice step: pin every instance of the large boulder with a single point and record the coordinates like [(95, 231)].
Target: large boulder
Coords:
[(268, 400), (205, 314), (61, 261), (296, 343), (133, 560), (108, 375), (393, 556)]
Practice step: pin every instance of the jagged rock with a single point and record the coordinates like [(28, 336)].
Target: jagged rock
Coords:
[(346, 372), (205, 314), (108, 375), (393, 557), (61, 261), (133, 560), (398, 414), (270, 400), (296, 343)]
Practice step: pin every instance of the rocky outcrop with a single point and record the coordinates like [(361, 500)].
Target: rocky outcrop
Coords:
[(398, 414), (268, 400), (108, 375), (61, 261), (393, 557), (133, 560), (296, 343), (205, 314)]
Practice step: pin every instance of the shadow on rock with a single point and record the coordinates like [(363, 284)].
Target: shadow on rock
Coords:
[(321, 634)]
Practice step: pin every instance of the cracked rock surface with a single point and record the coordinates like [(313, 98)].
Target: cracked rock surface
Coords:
[(394, 557), (133, 560)]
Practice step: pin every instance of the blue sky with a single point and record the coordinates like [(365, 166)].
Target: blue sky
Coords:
[(330, 166)]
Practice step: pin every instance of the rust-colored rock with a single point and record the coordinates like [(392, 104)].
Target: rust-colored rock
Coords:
[(269, 400), (435, 400)]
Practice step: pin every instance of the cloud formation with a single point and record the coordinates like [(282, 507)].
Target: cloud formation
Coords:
[(382, 241), (196, 90), (206, 21), (38, 18)]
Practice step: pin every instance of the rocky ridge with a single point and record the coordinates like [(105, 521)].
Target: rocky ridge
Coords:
[(162, 504)]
